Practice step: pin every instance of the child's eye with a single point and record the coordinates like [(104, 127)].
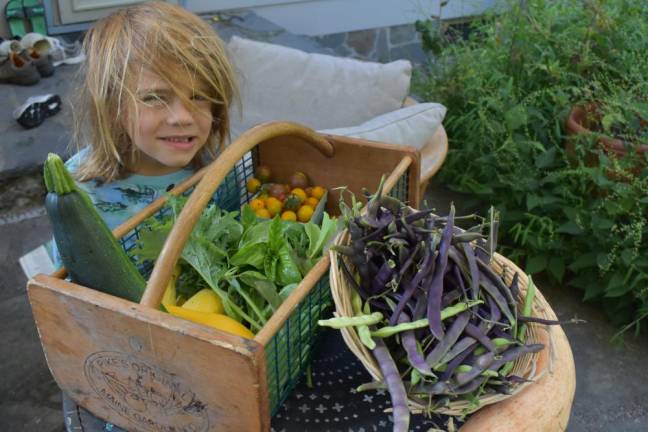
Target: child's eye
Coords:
[(153, 98), (198, 98)]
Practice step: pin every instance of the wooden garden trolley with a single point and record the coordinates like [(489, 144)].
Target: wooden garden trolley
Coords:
[(145, 370)]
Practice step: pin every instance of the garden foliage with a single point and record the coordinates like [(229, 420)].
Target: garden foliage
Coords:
[(509, 86)]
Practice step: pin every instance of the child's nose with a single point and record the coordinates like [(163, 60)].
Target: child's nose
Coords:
[(179, 114)]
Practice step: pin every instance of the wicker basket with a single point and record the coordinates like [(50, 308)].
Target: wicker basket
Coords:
[(524, 366), (145, 370)]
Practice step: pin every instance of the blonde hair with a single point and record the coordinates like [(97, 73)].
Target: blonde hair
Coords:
[(166, 40)]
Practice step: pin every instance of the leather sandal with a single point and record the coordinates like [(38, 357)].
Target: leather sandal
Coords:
[(18, 70)]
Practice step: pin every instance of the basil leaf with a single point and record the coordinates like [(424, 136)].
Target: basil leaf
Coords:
[(275, 238), (248, 217), (257, 233), (251, 254), (270, 266), (288, 272), (287, 290)]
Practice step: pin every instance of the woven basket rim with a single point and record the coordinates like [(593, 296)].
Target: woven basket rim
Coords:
[(525, 366)]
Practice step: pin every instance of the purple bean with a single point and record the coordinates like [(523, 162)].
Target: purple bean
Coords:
[(421, 305), (421, 214), (394, 385), (351, 279), (409, 344), (484, 360), (452, 365), (449, 339), (496, 313), (385, 218), (363, 294), (472, 266), (439, 387), (411, 286), (492, 290), (358, 258), (466, 237), (516, 379), (515, 289), (513, 353), (481, 363), (435, 290), (488, 271), (498, 332), (391, 204), (450, 297), (481, 253), (463, 344), (459, 276), (476, 333), (383, 276), (410, 260), (444, 387), (408, 229), (502, 389), (469, 387), (373, 235)]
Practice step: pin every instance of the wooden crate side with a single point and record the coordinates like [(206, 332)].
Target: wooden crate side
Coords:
[(356, 164), (144, 370)]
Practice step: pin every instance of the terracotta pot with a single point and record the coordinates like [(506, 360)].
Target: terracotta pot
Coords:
[(583, 120)]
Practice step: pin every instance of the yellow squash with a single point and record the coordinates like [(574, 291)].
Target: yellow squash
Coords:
[(169, 297), (218, 321), (205, 300)]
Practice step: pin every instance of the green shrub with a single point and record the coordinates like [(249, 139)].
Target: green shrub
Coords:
[(509, 87)]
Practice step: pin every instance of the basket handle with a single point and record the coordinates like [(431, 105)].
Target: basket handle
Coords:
[(204, 191)]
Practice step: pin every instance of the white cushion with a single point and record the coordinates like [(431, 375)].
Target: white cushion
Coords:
[(413, 126), (317, 90)]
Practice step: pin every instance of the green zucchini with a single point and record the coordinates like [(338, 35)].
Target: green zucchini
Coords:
[(88, 249)]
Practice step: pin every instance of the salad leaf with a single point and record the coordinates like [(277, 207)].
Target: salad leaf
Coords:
[(201, 258), (319, 237), (254, 307), (251, 264), (263, 286), (152, 235), (219, 227)]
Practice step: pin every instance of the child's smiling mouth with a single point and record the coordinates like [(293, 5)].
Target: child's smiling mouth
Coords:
[(180, 142)]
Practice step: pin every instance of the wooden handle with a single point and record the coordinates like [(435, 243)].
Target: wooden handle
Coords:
[(204, 191)]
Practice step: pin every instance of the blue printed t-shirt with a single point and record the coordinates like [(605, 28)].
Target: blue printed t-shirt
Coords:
[(119, 200), (122, 199)]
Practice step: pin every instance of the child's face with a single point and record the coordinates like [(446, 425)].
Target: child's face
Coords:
[(167, 134)]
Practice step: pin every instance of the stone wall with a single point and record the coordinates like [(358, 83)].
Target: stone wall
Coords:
[(382, 44)]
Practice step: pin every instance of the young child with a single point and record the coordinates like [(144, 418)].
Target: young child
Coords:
[(152, 108)]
